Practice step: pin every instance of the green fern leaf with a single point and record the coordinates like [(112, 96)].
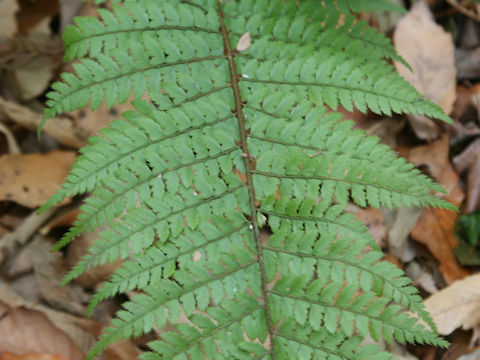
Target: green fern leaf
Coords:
[(364, 5), (223, 142)]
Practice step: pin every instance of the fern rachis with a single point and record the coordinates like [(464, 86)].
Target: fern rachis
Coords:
[(222, 143)]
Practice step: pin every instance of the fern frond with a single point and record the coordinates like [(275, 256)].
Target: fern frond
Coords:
[(223, 142), (94, 37), (343, 261), (349, 88), (363, 5), (314, 25), (152, 34), (331, 156), (309, 23)]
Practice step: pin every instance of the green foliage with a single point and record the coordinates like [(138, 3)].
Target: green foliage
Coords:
[(224, 148), (467, 229)]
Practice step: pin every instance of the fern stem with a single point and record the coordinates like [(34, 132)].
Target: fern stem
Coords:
[(263, 111), (230, 53)]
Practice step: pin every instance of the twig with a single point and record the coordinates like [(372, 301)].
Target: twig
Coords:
[(61, 128), (20, 235), (13, 147), (464, 10)]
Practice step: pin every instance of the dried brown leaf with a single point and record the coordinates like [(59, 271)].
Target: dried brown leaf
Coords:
[(93, 276), (458, 305), (33, 12), (10, 356), (61, 128), (89, 122), (436, 227), (374, 221), (73, 327), (469, 160), (25, 331), (8, 25), (402, 221), (31, 179), (430, 51)]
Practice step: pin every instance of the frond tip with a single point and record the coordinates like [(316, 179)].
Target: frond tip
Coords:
[(221, 143)]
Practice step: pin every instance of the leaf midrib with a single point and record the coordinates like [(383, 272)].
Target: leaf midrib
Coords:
[(230, 53), (145, 29)]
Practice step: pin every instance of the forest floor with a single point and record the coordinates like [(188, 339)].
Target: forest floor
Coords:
[(438, 249)]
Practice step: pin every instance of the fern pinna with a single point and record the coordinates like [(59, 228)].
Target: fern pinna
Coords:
[(224, 142)]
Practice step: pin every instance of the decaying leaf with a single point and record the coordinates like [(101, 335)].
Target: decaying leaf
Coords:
[(77, 249), (374, 221), (8, 25), (421, 277), (456, 306), (33, 78), (34, 12), (122, 350), (15, 239), (400, 352), (31, 179), (386, 129), (430, 51), (469, 160), (48, 269), (61, 324), (402, 221), (89, 122), (25, 331), (61, 128), (468, 63), (10, 356), (436, 227)]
